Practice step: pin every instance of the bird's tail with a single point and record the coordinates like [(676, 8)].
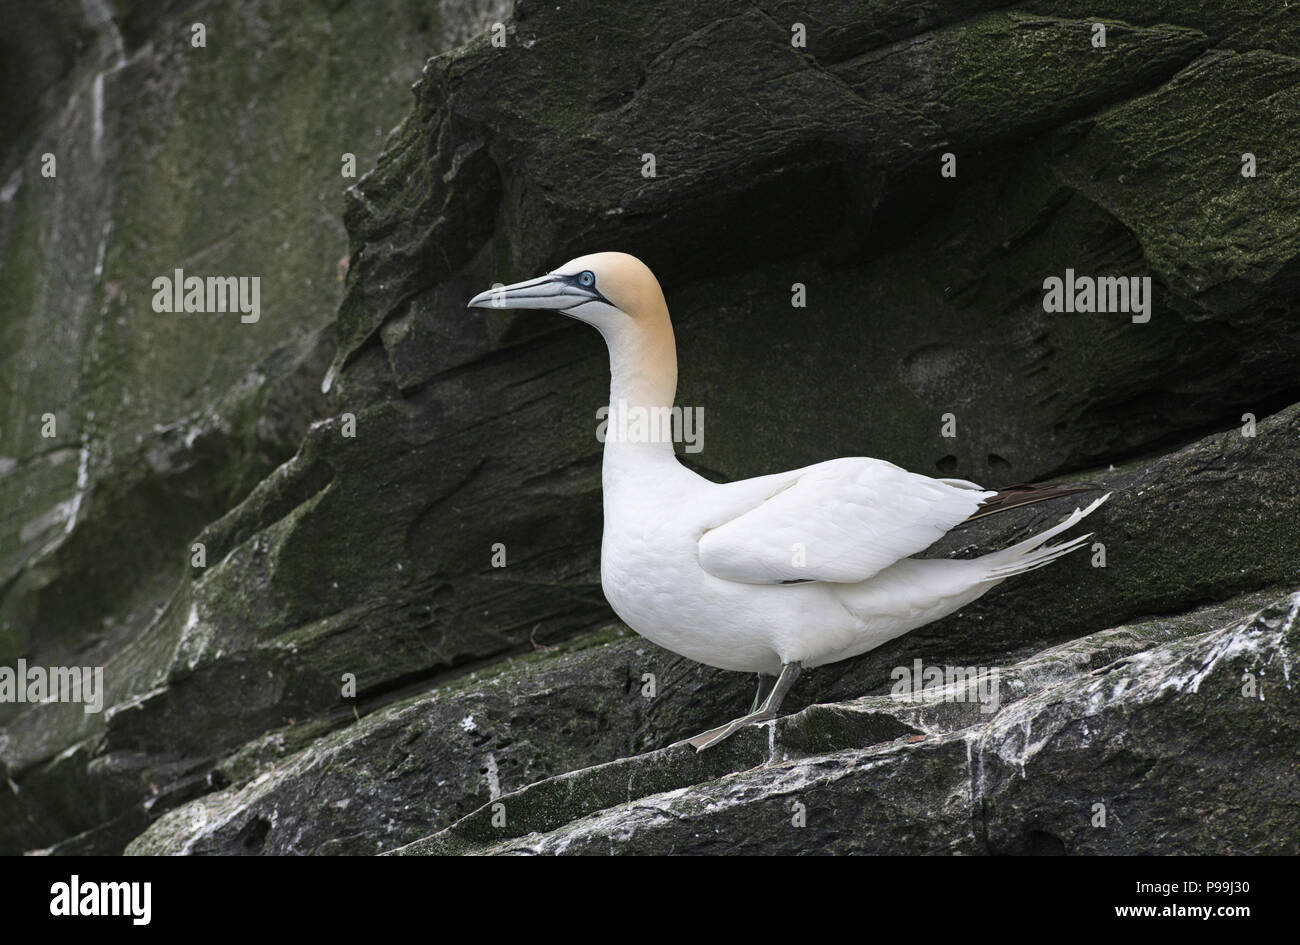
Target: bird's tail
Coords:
[(1033, 552)]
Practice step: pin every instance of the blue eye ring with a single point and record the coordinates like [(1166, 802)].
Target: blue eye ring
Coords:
[(586, 278)]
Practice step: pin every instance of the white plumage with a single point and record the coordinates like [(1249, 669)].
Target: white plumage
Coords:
[(843, 521), (771, 574)]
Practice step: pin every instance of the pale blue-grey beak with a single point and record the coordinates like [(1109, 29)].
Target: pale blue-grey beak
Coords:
[(553, 291)]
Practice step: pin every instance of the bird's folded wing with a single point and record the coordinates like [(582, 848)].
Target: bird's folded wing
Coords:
[(840, 521)]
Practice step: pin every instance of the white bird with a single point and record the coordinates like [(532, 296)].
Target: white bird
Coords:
[(773, 574)]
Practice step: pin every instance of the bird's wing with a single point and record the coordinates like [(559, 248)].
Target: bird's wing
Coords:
[(840, 521)]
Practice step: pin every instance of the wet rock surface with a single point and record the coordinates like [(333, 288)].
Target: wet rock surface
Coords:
[(350, 461)]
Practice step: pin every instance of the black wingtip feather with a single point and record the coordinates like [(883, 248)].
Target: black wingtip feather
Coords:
[(1027, 493)]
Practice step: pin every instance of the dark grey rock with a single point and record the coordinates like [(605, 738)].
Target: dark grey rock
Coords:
[(370, 555), (1161, 751)]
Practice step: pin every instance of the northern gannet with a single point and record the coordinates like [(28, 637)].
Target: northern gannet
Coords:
[(773, 574)]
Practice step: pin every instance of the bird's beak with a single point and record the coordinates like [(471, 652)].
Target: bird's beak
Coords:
[(552, 291)]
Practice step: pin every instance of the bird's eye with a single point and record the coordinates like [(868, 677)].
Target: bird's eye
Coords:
[(586, 278)]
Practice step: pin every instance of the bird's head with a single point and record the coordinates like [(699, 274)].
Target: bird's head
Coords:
[(619, 295), (612, 291)]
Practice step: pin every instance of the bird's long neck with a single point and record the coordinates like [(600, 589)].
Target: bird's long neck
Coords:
[(643, 368), (642, 387)]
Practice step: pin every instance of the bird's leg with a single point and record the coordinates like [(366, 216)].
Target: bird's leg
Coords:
[(764, 713), (765, 684)]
